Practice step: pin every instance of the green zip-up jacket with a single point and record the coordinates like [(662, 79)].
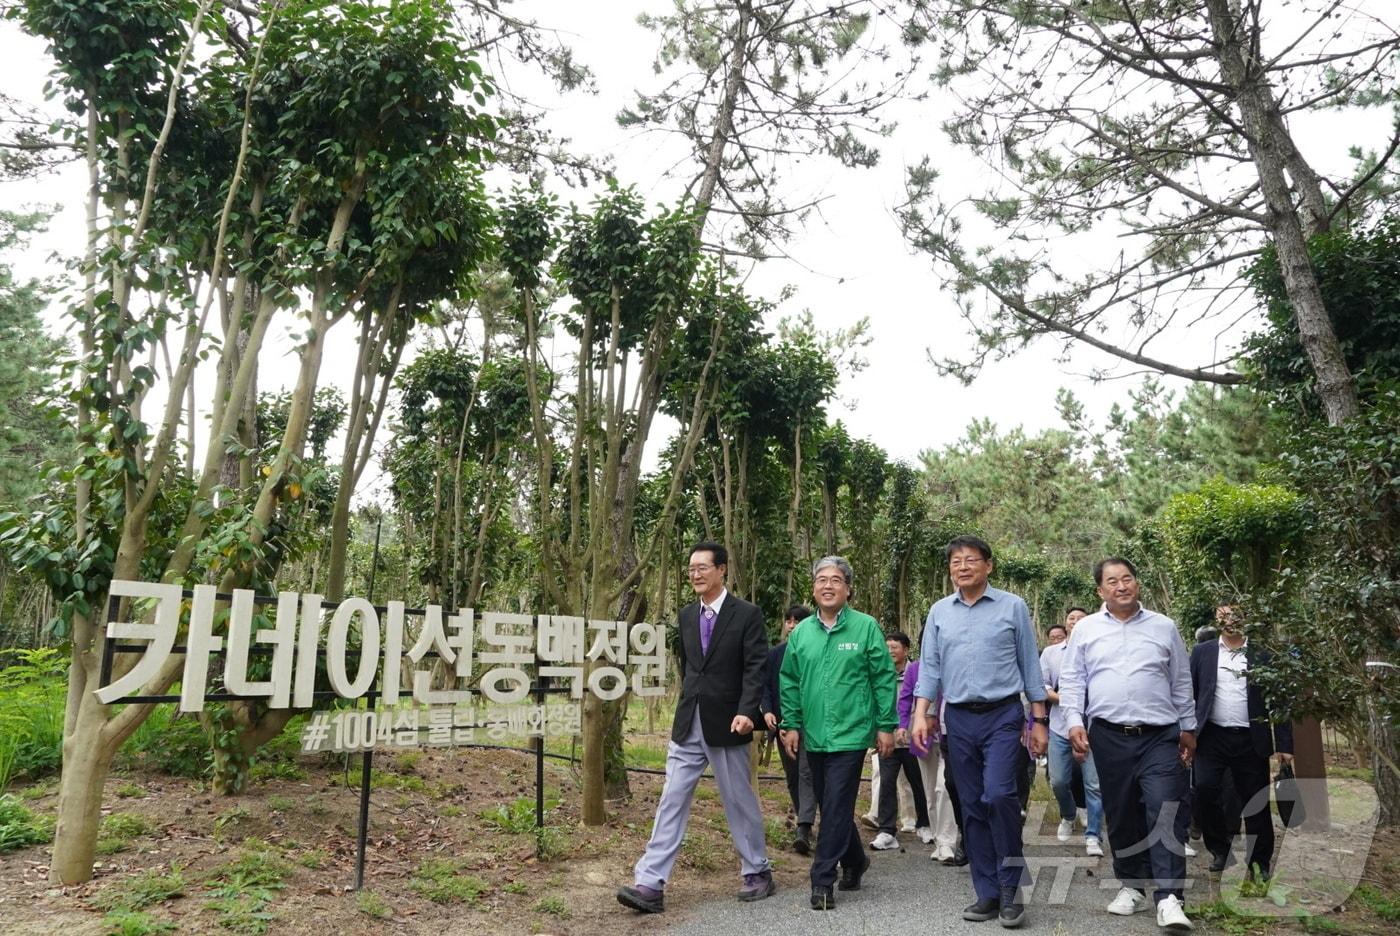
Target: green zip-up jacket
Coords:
[(838, 687)]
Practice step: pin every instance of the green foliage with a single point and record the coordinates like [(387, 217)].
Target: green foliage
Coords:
[(20, 826), (1334, 603), (240, 891), (1224, 541), (32, 690), (554, 905), (439, 880), (126, 922), (516, 817), (141, 890), (372, 905), (1358, 271), (169, 742), (119, 830)]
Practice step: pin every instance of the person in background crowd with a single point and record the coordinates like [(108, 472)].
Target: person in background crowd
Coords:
[(795, 769), (933, 771), (838, 695), (1062, 760), (1237, 735), (1055, 635), (1126, 674), (723, 650), (978, 650), (900, 759)]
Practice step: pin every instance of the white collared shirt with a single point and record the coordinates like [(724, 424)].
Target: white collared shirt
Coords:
[(1231, 706), (715, 605), (1133, 672)]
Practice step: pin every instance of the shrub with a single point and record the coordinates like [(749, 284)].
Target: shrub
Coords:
[(32, 696), (20, 827)]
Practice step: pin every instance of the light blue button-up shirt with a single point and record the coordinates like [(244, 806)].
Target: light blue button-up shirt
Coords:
[(979, 652), (1133, 672)]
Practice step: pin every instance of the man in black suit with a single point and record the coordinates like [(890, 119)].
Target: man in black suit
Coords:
[(1237, 736), (723, 652)]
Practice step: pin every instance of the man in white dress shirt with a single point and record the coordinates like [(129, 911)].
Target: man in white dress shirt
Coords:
[(1126, 674)]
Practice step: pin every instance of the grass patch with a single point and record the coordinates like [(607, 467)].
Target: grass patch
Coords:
[(372, 905), (438, 880), (20, 826), (1386, 906), (699, 853), (229, 820), (516, 887), (240, 892), (1222, 915), (775, 833), (555, 906), (408, 761), (312, 859), (551, 843), (119, 830), (517, 818), (280, 803), (124, 922), (130, 791), (142, 890), (265, 770), (452, 811), (706, 793), (39, 790)]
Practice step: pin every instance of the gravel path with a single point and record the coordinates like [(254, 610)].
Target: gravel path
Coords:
[(905, 892)]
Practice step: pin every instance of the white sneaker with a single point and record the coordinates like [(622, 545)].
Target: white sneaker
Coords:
[(907, 827), (942, 853), (1065, 830), (1092, 847), (1128, 902), (1170, 916), (1190, 852), (884, 841), (925, 834)]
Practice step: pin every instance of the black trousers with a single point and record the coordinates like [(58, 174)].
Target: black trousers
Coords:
[(1223, 754), (836, 781), (949, 786), (1144, 784), (901, 759), (799, 783)]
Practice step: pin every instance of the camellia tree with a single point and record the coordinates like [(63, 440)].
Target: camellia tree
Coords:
[(328, 115)]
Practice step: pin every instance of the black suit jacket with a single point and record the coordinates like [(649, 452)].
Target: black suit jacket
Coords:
[(1205, 659), (728, 680)]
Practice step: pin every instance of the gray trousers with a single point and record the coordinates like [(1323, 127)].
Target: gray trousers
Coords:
[(685, 762)]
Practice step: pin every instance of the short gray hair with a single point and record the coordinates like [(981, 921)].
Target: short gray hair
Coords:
[(841, 565)]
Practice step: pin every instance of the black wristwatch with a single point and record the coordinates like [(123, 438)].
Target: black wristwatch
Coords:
[(1040, 719)]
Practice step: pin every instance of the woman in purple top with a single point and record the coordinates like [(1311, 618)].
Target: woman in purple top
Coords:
[(939, 792)]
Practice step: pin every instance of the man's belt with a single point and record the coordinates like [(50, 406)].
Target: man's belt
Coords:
[(1130, 729), (981, 707)]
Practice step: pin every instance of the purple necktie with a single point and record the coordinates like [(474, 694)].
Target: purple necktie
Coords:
[(707, 627)]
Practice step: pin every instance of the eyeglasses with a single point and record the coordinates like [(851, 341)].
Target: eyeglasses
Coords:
[(963, 563), (826, 580), (698, 570)]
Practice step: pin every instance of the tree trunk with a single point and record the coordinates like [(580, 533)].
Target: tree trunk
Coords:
[(86, 762), (1269, 148), (1385, 763)]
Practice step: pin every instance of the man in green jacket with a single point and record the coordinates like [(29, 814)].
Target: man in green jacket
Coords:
[(837, 689)]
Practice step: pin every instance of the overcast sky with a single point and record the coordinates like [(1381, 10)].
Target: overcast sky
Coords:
[(849, 262)]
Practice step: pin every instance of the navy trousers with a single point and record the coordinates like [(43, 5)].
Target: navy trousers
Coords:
[(984, 757), (835, 781), (1144, 784)]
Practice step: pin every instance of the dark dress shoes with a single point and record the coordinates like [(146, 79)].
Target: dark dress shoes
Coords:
[(823, 898), (983, 910), (642, 899), (850, 877)]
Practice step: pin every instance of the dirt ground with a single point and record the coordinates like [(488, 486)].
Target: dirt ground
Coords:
[(428, 807), (425, 806)]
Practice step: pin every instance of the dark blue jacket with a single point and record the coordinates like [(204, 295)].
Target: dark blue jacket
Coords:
[(1205, 659)]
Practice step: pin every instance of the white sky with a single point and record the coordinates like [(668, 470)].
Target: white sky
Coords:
[(850, 261)]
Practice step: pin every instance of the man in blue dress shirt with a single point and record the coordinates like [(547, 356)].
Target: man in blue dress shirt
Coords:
[(1126, 674), (978, 648)]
